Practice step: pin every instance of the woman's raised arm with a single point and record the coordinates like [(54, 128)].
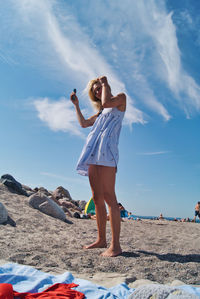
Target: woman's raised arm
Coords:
[(110, 101), (84, 123)]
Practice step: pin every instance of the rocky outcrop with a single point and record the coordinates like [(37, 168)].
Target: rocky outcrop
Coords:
[(13, 185), (68, 204), (69, 207), (28, 190), (3, 214), (61, 192), (57, 203), (46, 205), (43, 190)]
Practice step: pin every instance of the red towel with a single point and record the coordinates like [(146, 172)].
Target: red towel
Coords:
[(58, 290), (6, 291)]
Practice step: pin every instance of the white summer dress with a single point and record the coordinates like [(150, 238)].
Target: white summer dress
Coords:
[(101, 147)]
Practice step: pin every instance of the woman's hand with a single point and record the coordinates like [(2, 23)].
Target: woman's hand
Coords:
[(103, 80), (74, 98)]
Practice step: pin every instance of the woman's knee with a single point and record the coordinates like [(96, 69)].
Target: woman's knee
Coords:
[(110, 198), (98, 199)]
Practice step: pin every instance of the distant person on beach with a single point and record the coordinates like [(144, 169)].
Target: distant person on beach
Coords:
[(123, 211), (99, 158), (197, 211), (161, 217)]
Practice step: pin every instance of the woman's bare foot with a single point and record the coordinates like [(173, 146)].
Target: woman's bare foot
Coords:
[(112, 252), (97, 244)]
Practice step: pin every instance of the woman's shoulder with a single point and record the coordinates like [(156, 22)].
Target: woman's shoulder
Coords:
[(122, 106)]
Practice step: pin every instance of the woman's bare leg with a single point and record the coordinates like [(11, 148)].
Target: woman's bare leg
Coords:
[(107, 175), (100, 208)]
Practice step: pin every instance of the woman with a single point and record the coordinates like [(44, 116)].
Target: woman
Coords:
[(99, 158)]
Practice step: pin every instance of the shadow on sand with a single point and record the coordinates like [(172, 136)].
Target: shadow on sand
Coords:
[(10, 221), (129, 254), (174, 257)]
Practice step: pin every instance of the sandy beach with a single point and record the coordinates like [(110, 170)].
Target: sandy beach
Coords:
[(156, 250)]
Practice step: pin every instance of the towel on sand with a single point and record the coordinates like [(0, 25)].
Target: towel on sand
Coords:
[(58, 290), (28, 279), (158, 291)]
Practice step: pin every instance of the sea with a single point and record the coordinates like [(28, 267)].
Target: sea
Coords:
[(155, 217)]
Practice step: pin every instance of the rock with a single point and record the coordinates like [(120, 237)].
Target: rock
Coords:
[(55, 200), (75, 202), (12, 184), (47, 206), (44, 191), (3, 214), (69, 207), (66, 203), (67, 211), (29, 193), (26, 188), (61, 192)]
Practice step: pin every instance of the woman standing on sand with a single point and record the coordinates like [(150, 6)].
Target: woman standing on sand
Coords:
[(99, 158)]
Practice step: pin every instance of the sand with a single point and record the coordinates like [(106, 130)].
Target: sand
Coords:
[(153, 250)]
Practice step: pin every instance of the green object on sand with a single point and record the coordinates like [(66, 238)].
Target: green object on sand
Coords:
[(90, 207)]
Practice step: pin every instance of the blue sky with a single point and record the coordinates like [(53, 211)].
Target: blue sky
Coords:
[(148, 49)]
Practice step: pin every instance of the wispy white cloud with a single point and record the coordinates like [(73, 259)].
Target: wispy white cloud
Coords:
[(73, 49), (127, 47), (147, 95), (154, 153), (148, 51), (139, 52), (163, 31), (58, 115), (187, 18)]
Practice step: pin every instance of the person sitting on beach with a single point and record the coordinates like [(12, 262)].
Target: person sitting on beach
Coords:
[(99, 158), (94, 217), (197, 211), (161, 217), (123, 211)]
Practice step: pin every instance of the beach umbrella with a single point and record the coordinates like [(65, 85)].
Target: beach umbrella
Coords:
[(90, 207)]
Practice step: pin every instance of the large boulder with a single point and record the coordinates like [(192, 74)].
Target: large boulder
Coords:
[(42, 190), (61, 192), (3, 214), (71, 205), (47, 206), (14, 186), (68, 204), (28, 190)]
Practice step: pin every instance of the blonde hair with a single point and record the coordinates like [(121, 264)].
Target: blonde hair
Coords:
[(95, 101)]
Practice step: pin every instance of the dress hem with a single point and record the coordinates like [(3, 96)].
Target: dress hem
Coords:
[(84, 172)]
